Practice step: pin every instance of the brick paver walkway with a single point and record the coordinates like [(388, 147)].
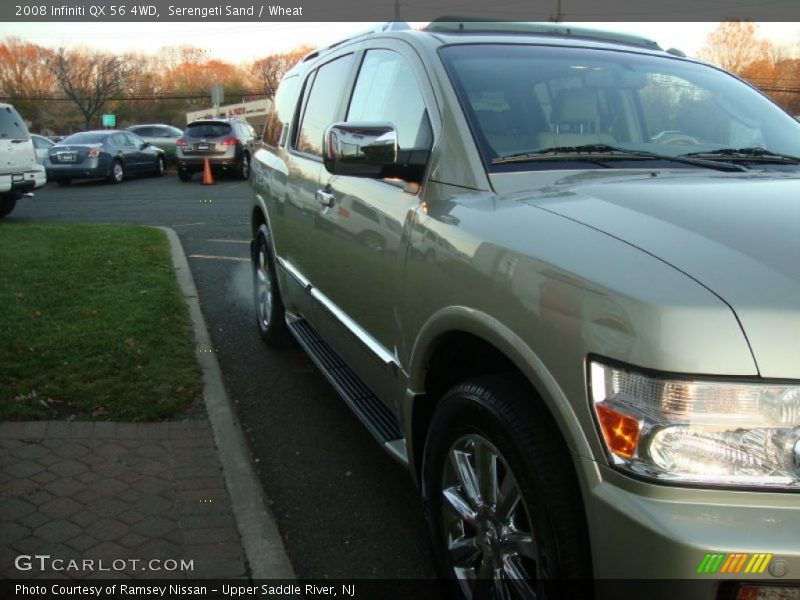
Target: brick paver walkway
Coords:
[(113, 492)]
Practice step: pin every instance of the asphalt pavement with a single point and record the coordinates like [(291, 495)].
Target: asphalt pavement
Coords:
[(345, 509)]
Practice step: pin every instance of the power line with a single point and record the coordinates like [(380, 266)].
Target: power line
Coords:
[(133, 97)]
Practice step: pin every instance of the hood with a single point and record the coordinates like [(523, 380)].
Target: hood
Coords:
[(736, 234)]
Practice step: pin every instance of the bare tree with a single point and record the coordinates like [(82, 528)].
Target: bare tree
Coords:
[(24, 70), (733, 45), (270, 70), (89, 79)]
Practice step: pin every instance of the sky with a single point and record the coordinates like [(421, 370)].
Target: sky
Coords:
[(223, 40)]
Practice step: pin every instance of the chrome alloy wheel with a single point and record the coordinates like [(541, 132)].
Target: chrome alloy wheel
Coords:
[(263, 287), (485, 524)]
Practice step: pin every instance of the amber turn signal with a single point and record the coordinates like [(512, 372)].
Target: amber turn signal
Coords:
[(620, 431)]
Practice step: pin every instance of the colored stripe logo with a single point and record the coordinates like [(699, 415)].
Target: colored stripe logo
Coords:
[(733, 563)]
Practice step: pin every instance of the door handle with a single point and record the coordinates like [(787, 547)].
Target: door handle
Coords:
[(325, 198)]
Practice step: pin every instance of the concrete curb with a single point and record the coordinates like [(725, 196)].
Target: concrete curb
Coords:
[(261, 539)]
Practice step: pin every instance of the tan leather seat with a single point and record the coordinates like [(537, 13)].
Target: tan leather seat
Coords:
[(575, 120), (502, 135)]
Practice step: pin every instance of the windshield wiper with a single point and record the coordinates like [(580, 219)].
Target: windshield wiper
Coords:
[(754, 154), (604, 151)]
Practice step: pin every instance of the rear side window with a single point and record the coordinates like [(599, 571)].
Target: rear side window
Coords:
[(322, 104), (208, 130), (145, 131), (280, 114), (11, 125)]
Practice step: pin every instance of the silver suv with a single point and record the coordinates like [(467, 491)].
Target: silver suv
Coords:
[(227, 145), (580, 327)]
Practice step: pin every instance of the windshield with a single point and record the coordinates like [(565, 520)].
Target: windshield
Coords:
[(84, 138), (524, 99)]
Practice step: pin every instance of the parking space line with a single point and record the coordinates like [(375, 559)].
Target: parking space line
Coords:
[(236, 258)]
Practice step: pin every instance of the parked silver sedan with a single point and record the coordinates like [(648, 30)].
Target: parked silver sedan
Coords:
[(163, 136)]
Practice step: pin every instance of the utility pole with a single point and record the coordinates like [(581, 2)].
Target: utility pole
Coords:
[(397, 10), (557, 17)]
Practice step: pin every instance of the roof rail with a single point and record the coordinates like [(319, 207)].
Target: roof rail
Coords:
[(380, 27), (460, 25)]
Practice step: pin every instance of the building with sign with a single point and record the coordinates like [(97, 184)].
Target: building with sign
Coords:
[(254, 112)]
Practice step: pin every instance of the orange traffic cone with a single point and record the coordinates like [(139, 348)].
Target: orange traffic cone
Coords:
[(208, 179)]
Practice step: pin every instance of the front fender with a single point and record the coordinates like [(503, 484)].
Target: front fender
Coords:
[(505, 340)]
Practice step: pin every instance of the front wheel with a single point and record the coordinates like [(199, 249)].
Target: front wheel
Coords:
[(504, 507), (270, 314), (117, 173), (161, 166)]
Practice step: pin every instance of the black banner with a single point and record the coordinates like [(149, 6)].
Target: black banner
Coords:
[(208, 589), (389, 10)]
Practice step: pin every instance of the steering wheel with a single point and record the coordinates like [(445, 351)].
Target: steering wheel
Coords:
[(674, 138)]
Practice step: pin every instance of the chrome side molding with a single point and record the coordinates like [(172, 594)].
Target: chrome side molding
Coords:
[(290, 268), (373, 345)]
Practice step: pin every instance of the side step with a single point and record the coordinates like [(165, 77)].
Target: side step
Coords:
[(373, 413)]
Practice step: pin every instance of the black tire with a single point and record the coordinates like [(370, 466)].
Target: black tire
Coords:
[(64, 181), (161, 166), (185, 176), (116, 174), (501, 417), (7, 204), (243, 171), (270, 313)]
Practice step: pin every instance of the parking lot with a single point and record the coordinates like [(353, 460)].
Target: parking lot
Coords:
[(344, 510)]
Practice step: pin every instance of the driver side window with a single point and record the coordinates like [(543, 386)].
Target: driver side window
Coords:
[(133, 140), (387, 90)]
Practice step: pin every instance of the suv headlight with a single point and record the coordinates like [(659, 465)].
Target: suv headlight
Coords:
[(697, 430)]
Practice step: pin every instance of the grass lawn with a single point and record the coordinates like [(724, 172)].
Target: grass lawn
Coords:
[(92, 325)]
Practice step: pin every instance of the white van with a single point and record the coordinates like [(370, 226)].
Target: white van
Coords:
[(19, 171)]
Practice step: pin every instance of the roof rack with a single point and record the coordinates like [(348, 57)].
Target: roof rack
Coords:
[(460, 25), (379, 28)]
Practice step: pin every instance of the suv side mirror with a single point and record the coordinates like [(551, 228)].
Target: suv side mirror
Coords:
[(361, 149)]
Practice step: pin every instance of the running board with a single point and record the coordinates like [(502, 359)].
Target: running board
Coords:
[(364, 403)]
